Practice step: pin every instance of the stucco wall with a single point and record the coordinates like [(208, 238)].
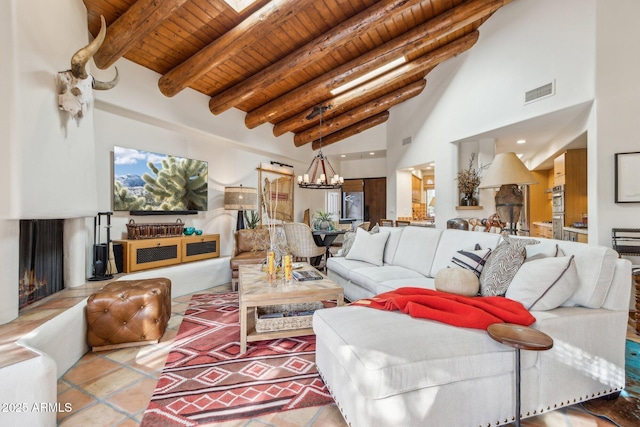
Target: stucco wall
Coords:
[(525, 44)]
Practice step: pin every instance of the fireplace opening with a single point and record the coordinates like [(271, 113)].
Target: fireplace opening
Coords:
[(41, 259)]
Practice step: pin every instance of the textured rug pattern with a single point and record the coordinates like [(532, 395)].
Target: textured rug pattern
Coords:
[(206, 379)]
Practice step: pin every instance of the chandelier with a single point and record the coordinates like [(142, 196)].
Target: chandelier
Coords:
[(320, 174)]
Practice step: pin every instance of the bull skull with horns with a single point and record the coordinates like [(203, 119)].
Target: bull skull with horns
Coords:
[(75, 85)]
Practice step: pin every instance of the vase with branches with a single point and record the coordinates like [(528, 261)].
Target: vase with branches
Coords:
[(468, 182)]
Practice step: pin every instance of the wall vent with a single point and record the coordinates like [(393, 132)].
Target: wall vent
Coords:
[(540, 92), (406, 141)]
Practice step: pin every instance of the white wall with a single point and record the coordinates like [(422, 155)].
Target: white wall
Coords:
[(618, 109), (522, 46), (55, 169)]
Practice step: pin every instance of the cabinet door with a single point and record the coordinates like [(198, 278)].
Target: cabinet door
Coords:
[(152, 253), (195, 248), (559, 170)]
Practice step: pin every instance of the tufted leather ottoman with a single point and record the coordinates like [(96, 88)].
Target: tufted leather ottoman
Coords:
[(128, 313)]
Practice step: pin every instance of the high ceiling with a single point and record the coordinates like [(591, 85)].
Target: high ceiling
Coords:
[(283, 61)]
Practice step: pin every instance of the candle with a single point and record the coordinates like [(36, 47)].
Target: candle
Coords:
[(323, 178), (286, 260), (299, 179), (271, 263), (306, 178)]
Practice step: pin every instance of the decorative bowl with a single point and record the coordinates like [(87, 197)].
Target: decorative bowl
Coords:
[(198, 232), (188, 231)]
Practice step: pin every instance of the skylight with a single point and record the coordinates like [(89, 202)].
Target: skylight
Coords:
[(239, 5)]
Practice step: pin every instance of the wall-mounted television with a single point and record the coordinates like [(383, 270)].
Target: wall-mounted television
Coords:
[(147, 183)]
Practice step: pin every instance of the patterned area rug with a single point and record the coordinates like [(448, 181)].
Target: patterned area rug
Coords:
[(625, 410), (206, 380)]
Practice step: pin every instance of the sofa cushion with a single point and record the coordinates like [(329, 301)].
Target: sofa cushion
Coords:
[(452, 241), (595, 266), (343, 266), (409, 282), (502, 265), (387, 353), (459, 281), (246, 258), (368, 247), (370, 277), (248, 240), (544, 284), (395, 233), (417, 248)]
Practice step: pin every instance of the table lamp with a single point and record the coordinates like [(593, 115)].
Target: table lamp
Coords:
[(240, 199), (508, 172)]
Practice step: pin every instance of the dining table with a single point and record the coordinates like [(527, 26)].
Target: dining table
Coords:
[(326, 238)]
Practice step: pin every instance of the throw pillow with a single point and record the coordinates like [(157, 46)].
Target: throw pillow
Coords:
[(502, 265), (368, 247), (350, 237), (534, 252), (472, 260), (544, 284), (457, 281)]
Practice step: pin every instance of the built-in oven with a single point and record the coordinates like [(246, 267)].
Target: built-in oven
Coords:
[(557, 199)]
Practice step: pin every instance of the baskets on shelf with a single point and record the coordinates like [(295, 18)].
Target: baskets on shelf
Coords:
[(285, 316), (153, 231)]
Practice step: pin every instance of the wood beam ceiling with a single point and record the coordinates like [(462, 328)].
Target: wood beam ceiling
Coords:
[(277, 60)]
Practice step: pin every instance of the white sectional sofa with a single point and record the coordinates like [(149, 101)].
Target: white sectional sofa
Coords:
[(385, 368)]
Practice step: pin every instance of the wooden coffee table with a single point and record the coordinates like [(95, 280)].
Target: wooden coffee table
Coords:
[(255, 291)]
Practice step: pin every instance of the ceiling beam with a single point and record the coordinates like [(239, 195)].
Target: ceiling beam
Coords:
[(131, 27), (431, 31), (352, 130), (334, 39), (414, 68), (249, 31), (359, 113)]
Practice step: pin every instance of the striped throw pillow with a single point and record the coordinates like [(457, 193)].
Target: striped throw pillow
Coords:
[(472, 260)]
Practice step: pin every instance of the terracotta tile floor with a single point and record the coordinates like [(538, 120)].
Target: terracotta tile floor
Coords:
[(113, 388)]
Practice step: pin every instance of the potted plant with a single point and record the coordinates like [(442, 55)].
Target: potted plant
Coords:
[(468, 182), (322, 220), (251, 219)]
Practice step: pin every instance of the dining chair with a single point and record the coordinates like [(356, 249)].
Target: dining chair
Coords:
[(402, 223), (386, 223), (301, 244)]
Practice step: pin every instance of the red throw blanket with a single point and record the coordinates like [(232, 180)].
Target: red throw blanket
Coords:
[(457, 310)]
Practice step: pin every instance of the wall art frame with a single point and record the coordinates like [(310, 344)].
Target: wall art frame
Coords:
[(627, 177)]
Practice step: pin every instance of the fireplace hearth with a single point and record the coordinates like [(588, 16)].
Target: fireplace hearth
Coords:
[(40, 259)]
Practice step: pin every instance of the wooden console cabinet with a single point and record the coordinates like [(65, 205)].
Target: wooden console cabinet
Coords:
[(153, 253)]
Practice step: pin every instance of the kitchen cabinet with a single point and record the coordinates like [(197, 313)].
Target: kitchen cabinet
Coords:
[(559, 169), (575, 235), (416, 189), (573, 175), (541, 229)]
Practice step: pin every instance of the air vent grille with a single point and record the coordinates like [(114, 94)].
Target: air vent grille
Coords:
[(539, 92), (406, 141)]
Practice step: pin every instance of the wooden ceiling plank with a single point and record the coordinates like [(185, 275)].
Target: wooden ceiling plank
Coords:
[(406, 70), (311, 52), (252, 29), (429, 32), (351, 130), (131, 27), (359, 113)]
